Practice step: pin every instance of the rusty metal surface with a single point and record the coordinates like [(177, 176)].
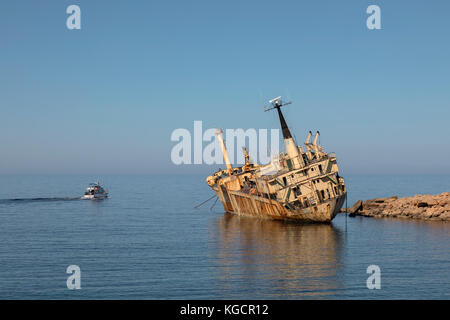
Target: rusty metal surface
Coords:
[(244, 204)]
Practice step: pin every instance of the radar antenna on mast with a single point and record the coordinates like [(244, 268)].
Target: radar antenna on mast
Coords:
[(276, 103)]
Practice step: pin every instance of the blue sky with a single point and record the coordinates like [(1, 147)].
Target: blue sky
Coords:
[(106, 98)]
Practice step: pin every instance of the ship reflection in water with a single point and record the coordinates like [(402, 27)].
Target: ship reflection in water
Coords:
[(275, 259)]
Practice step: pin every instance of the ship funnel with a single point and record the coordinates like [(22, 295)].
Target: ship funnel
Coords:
[(224, 151)]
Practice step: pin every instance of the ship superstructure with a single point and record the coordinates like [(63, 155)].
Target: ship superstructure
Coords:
[(302, 184)]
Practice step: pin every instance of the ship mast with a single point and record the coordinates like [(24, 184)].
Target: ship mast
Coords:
[(291, 147)]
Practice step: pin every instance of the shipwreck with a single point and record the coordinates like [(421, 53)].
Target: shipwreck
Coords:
[(301, 184)]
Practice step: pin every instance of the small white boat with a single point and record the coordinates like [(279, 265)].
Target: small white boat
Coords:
[(95, 191)]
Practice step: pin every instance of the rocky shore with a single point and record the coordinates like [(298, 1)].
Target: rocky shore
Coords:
[(426, 207)]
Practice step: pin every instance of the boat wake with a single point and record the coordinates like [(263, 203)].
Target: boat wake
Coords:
[(24, 200)]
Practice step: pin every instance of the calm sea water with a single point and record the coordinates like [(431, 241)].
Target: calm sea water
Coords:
[(147, 242)]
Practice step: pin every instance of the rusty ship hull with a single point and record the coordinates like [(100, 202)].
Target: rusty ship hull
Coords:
[(241, 203)]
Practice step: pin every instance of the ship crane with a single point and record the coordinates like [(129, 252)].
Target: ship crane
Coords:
[(224, 151)]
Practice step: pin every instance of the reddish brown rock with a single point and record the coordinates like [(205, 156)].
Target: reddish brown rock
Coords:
[(429, 207), (356, 207)]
